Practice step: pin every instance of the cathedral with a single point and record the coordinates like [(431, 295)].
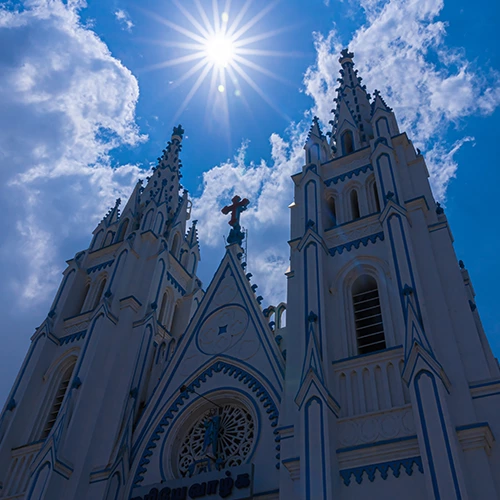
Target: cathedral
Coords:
[(375, 380)]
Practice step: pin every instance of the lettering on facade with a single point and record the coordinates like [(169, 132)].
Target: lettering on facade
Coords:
[(237, 486)]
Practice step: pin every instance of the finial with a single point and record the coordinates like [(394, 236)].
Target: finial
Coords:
[(178, 131), (239, 205), (345, 54)]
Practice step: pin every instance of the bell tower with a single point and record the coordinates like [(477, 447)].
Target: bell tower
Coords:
[(385, 349), (97, 358)]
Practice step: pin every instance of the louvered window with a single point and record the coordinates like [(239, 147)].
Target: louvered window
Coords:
[(58, 399), (368, 316)]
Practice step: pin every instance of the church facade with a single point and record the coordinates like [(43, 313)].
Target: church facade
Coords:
[(375, 380)]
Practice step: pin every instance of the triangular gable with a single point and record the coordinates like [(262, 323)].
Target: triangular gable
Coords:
[(228, 325)]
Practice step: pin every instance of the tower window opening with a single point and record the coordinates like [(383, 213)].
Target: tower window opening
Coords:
[(122, 231), (347, 142), (99, 293), (367, 316), (375, 196), (57, 403), (332, 212), (354, 205)]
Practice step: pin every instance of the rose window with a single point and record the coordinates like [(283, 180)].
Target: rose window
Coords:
[(222, 437)]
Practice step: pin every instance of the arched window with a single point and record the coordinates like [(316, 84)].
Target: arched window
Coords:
[(57, 401), (175, 245), (147, 220), (367, 315), (109, 238), (122, 231), (375, 196), (347, 142), (99, 293), (97, 242), (332, 212), (164, 308), (83, 297), (281, 316), (353, 197)]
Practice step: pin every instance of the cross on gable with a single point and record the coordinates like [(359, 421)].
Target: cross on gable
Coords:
[(239, 205)]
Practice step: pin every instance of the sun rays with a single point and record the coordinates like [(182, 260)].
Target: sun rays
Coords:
[(219, 43)]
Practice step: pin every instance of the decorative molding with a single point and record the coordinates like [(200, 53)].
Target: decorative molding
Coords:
[(99, 267), (292, 465), (485, 389), (175, 283), (261, 394), (131, 302), (73, 337), (383, 425), (383, 468), (476, 437), (342, 177), (357, 243)]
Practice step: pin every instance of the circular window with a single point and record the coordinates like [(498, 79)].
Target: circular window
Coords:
[(221, 437)]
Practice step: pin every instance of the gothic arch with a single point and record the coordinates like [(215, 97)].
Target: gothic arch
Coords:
[(371, 193), (332, 209), (349, 201), (109, 238), (147, 220), (176, 242), (122, 231), (98, 290), (97, 241), (347, 142), (61, 370), (342, 297), (169, 413), (158, 223)]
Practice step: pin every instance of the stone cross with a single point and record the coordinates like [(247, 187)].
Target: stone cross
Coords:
[(239, 205)]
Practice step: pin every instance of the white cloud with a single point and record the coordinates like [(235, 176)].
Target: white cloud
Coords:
[(270, 191), (124, 19), (65, 102), (401, 51)]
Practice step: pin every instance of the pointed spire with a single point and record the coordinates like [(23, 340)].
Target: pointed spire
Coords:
[(164, 185), (192, 235), (378, 102), (353, 110), (112, 214), (316, 138)]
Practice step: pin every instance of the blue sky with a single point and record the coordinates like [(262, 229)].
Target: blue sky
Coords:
[(88, 100)]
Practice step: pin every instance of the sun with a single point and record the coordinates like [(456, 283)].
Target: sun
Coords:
[(220, 50)]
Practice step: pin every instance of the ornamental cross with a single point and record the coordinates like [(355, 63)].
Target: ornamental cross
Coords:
[(239, 205)]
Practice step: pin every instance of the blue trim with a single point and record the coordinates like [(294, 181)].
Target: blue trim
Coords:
[(356, 243), (367, 354), (99, 267), (176, 283), (383, 468), (486, 395), (472, 426), (419, 198), (349, 175), (265, 340), (307, 203), (271, 492), (116, 269), (246, 378), (279, 429), (384, 193), (323, 457), (318, 293), (426, 434), (71, 338), (61, 289), (131, 297), (288, 460), (162, 262), (377, 443), (343, 224), (474, 386)]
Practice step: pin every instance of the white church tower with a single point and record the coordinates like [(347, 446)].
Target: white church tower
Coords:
[(140, 385)]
